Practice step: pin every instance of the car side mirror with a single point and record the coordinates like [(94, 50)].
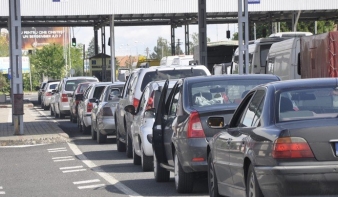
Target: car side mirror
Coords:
[(149, 113), (130, 109), (93, 100)]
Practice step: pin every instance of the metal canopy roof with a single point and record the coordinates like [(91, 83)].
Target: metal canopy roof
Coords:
[(167, 18)]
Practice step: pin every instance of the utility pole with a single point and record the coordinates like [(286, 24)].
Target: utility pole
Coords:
[(14, 27), (147, 52)]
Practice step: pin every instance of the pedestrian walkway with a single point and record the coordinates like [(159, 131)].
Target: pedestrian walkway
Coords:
[(38, 129)]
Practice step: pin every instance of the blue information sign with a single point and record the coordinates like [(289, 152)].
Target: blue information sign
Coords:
[(254, 1)]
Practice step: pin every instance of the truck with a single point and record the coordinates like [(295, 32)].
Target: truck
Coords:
[(304, 57), (217, 53)]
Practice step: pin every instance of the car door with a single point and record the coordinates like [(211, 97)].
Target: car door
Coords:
[(57, 97), (158, 128), (170, 126), (138, 118), (250, 119)]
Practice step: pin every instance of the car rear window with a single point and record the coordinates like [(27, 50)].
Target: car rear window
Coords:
[(221, 92), (308, 103), (170, 74), (82, 88), (71, 84), (98, 91)]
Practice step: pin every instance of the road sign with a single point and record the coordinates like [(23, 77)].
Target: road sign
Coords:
[(254, 1)]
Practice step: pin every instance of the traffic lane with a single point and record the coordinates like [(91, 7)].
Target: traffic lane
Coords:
[(117, 165), (42, 171)]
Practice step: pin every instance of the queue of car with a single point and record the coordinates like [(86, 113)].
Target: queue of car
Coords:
[(250, 135)]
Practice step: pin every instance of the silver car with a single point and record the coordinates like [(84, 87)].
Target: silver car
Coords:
[(142, 127), (103, 114), (47, 94)]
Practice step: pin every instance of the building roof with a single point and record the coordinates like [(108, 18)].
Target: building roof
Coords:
[(125, 60), (100, 55)]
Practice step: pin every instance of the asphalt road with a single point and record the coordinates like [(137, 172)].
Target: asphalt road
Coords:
[(79, 168)]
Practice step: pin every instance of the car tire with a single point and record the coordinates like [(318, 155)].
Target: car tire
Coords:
[(160, 174), (136, 158), (71, 117), (121, 147), (252, 186), (86, 130), (212, 179), (100, 137), (146, 161), (184, 182), (42, 106), (51, 112), (129, 146), (45, 107), (78, 122), (62, 116), (93, 133)]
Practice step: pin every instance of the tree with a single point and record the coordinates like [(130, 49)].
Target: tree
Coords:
[(194, 42), (4, 45), (162, 49), (76, 57), (91, 48), (49, 61), (235, 36)]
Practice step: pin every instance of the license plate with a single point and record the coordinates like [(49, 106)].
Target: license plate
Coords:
[(336, 148)]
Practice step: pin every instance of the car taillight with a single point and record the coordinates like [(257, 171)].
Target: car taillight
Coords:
[(107, 111), (89, 107), (136, 102), (291, 147), (48, 94), (64, 98), (195, 129), (150, 102)]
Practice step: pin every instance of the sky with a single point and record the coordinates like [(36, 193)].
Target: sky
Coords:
[(135, 40)]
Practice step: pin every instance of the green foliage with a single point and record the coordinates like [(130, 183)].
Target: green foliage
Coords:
[(4, 85), (4, 46), (161, 47), (49, 61), (194, 42), (76, 57), (91, 48)]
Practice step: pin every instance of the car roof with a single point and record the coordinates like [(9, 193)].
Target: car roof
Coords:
[(230, 77), (303, 83), (80, 77), (100, 83), (172, 67)]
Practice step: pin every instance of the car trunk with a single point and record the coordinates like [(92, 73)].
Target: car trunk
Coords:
[(322, 136), (226, 114)]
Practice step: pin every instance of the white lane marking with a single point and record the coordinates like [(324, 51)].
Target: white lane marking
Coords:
[(88, 181), (91, 186), (71, 167), (2, 192), (22, 146), (111, 180), (55, 151), (58, 160), (51, 149), (9, 119), (62, 157), (78, 170)]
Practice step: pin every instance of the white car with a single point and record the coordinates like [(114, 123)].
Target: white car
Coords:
[(64, 92), (84, 109), (47, 94), (142, 127)]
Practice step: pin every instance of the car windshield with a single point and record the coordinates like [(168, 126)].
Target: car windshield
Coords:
[(170, 74), (71, 84), (308, 103), (221, 92)]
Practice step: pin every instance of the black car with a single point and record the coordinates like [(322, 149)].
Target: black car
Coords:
[(181, 132), (282, 141)]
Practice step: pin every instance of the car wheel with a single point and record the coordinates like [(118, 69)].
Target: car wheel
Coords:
[(160, 174), (252, 187), (93, 133), (146, 161), (121, 147), (42, 105), (184, 182), (136, 158), (45, 107), (51, 112), (212, 179), (100, 137), (129, 146), (86, 130), (56, 115), (62, 116), (71, 117)]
